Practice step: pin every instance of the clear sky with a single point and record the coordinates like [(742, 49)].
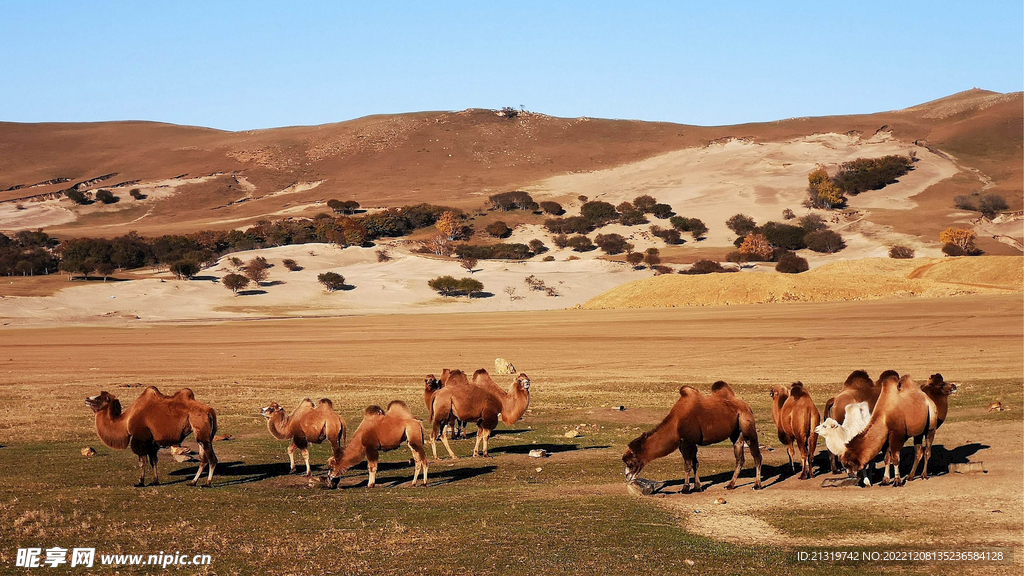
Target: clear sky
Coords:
[(240, 65)]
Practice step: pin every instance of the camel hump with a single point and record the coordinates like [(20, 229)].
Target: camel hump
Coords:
[(858, 379), (888, 375), (399, 407), (722, 389), (796, 389), (455, 377), (325, 402), (151, 390), (373, 410), (686, 390), (480, 373), (183, 393)]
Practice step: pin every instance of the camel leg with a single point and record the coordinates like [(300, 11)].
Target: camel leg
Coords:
[(371, 467), (918, 455), (737, 450), (801, 445), (448, 447), (832, 463), (433, 439), (689, 451), (807, 454), (755, 451), (202, 464), (142, 471), (927, 453), (476, 446), (305, 456), (291, 457), (486, 434), (894, 458), (790, 452), (152, 463)]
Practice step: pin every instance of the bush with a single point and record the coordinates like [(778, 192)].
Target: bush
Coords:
[(632, 218), (736, 256), (346, 207), (989, 204), (507, 201), (553, 208), (644, 203), (500, 251), (659, 269), (383, 255), (137, 194), (822, 192), (332, 281), (537, 247), (444, 285), (76, 196), (625, 207), (704, 266), (498, 229), (580, 243), (236, 261), (950, 249), (694, 226), (560, 241), (755, 247), (634, 258), (469, 285), (865, 174), (812, 222), (469, 263), (825, 241), (788, 214), (184, 269), (234, 282), (962, 237), (662, 211), (549, 258), (610, 243), (291, 264), (900, 251), (598, 213), (784, 236), (652, 257), (106, 196), (570, 225), (790, 263), (741, 224), (670, 236)]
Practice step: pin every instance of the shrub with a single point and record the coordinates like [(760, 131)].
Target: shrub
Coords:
[(549, 258), (644, 203), (865, 174), (756, 247), (694, 226), (825, 241), (498, 229), (812, 222), (234, 282), (784, 236), (507, 201), (343, 207), (383, 255), (900, 251), (788, 214), (741, 224), (500, 251), (634, 258), (790, 263), (950, 249), (137, 194), (632, 218), (735, 256), (570, 225), (469, 286), (652, 257), (580, 243), (236, 261), (670, 236), (989, 204), (553, 208), (561, 241), (537, 247), (76, 196), (581, 198), (256, 269), (625, 207), (182, 269), (291, 264), (469, 263), (662, 211), (660, 269), (610, 243), (822, 191), (704, 266), (331, 280), (598, 213), (106, 196)]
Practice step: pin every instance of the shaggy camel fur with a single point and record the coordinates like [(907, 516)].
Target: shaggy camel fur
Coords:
[(308, 424), (857, 388), (903, 410), (836, 435), (939, 391), (378, 431), (481, 401), (796, 417), (698, 420), (431, 385), (155, 421)]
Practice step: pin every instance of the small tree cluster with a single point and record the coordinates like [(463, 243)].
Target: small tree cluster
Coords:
[(961, 239), (756, 247), (538, 285), (741, 224), (694, 226), (580, 243), (988, 204), (669, 235), (598, 213), (611, 243), (182, 269), (498, 229), (343, 207), (76, 196), (825, 241), (553, 208), (865, 174), (901, 252), (291, 265), (569, 225), (450, 286), (790, 263), (449, 223), (822, 192), (106, 196), (704, 266), (332, 281), (507, 201)]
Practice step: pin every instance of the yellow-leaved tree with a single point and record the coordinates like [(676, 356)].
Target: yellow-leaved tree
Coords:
[(756, 245), (822, 191), (449, 225), (962, 237)]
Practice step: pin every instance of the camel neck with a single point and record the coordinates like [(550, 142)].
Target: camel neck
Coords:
[(278, 426), (659, 444), (112, 426), (513, 405)]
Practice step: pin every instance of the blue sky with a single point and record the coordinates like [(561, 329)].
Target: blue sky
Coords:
[(249, 65)]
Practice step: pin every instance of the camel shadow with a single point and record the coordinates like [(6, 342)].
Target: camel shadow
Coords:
[(941, 458), (724, 477), (440, 478), (251, 292), (238, 471), (549, 448)]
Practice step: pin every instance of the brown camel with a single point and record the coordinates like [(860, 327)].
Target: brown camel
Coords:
[(155, 421), (796, 417), (698, 420), (378, 431), (902, 411), (431, 385), (481, 402), (308, 424), (857, 388), (939, 391)]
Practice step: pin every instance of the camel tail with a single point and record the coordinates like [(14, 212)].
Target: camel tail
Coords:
[(812, 436), (212, 417), (828, 407)]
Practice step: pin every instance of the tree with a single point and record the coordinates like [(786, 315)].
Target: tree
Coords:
[(652, 257), (741, 224), (469, 286), (634, 258), (137, 194), (812, 222), (598, 212), (449, 224), (553, 208), (332, 281), (662, 211), (105, 269), (444, 285), (963, 238), (498, 229), (184, 269), (560, 240), (537, 247), (234, 282), (468, 263), (610, 243), (580, 243), (76, 196), (644, 203), (291, 264), (256, 269), (822, 191), (790, 263), (106, 196), (788, 214), (757, 246), (512, 201), (825, 241)]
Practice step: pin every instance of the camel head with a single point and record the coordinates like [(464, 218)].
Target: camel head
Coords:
[(936, 382), (102, 401), (270, 410), (523, 382), (634, 463), (432, 383), (828, 428), (777, 391)]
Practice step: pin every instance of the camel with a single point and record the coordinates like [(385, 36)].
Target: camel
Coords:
[(902, 411), (431, 385), (796, 417), (857, 388), (155, 421), (836, 435), (378, 431), (307, 424), (939, 391), (698, 420), (481, 401)]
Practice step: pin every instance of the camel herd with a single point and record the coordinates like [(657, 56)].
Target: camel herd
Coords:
[(865, 418)]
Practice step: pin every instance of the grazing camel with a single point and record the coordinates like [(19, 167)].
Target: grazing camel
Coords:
[(857, 388), (481, 401), (378, 431), (939, 391), (836, 435), (308, 424), (155, 421), (902, 411), (796, 417), (698, 420), (431, 385)]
